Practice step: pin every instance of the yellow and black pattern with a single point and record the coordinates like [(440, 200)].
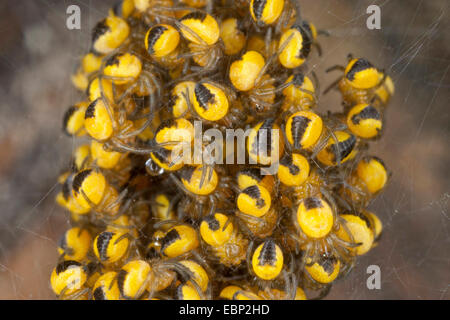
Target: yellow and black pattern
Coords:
[(148, 222)]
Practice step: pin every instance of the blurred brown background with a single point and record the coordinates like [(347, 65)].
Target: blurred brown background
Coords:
[(38, 54)]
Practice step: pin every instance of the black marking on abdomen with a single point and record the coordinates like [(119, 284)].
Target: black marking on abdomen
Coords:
[(169, 238), (79, 178), (367, 159), (90, 111), (67, 115), (162, 155), (258, 8), (113, 60), (213, 223), (363, 217), (203, 95), (187, 173), (169, 123), (152, 253), (298, 128), (66, 189), (102, 244), (63, 266), (312, 203), (328, 264), (153, 36), (100, 29), (306, 34), (254, 173), (120, 282), (342, 149), (360, 65), (268, 254), (196, 15), (99, 294), (369, 112), (298, 79), (254, 193), (288, 162), (264, 139)]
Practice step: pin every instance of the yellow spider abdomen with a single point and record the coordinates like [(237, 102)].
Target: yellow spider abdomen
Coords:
[(245, 71), (267, 260), (315, 217)]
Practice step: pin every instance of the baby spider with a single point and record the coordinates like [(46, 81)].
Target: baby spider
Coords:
[(224, 240), (137, 277), (330, 144), (205, 189), (316, 232), (299, 47), (68, 280), (92, 192), (249, 76), (362, 83), (272, 14), (364, 182), (73, 120), (268, 266), (202, 32), (162, 44), (75, 244), (106, 288), (300, 94)]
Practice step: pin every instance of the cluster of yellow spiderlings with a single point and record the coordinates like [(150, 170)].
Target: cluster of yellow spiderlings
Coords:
[(147, 225)]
